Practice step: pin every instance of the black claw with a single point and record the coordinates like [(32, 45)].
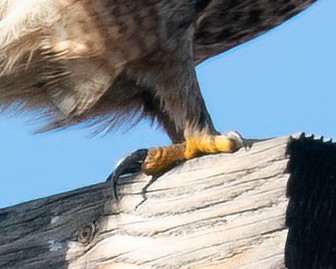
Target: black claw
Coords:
[(130, 165), (249, 142), (245, 143), (144, 190)]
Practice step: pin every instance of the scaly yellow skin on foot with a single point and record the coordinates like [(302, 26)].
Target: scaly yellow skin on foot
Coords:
[(161, 159), (208, 144)]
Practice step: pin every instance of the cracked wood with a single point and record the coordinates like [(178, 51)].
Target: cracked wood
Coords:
[(223, 211)]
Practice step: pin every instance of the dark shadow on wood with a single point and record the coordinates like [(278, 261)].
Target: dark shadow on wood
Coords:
[(311, 214), (236, 204), (34, 235)]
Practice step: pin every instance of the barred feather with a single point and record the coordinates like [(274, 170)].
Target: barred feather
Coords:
[(97, 61)]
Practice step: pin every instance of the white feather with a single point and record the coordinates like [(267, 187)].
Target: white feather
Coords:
[(21, 25)]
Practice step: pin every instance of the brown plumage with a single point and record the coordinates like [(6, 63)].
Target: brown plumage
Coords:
[(106, 62)]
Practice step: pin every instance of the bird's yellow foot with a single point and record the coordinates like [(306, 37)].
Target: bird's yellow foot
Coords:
[(160, 160)]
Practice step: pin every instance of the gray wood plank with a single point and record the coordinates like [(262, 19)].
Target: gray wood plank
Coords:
[(220, 211)]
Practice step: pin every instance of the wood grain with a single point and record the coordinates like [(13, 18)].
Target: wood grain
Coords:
[(222, 211)]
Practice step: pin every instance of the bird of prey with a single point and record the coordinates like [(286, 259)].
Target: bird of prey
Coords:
[(101, 63)]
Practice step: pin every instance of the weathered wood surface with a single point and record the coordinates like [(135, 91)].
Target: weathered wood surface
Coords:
[(223, 211)]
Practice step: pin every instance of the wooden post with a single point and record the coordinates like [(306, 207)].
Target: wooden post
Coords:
[(221, 211)]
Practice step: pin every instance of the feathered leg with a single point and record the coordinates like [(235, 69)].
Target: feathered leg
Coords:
[(184, 117), (181, 99)]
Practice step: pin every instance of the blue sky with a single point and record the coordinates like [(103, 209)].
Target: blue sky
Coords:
[(278, 84)]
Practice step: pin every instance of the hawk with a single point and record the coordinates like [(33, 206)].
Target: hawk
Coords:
[(101, 63)]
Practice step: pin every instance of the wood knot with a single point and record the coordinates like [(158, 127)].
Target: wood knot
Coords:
[(86, 233)]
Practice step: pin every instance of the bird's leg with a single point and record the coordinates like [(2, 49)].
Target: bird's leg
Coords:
[(176, 102), (188, 112), (161, 159)]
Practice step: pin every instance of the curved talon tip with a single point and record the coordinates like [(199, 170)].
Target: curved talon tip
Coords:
[(129, 165)]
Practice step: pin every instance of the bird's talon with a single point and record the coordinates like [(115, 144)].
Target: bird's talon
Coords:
[(129, 165), (157, 161)]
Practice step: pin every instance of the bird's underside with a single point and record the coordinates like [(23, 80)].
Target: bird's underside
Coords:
[(107, 62)]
